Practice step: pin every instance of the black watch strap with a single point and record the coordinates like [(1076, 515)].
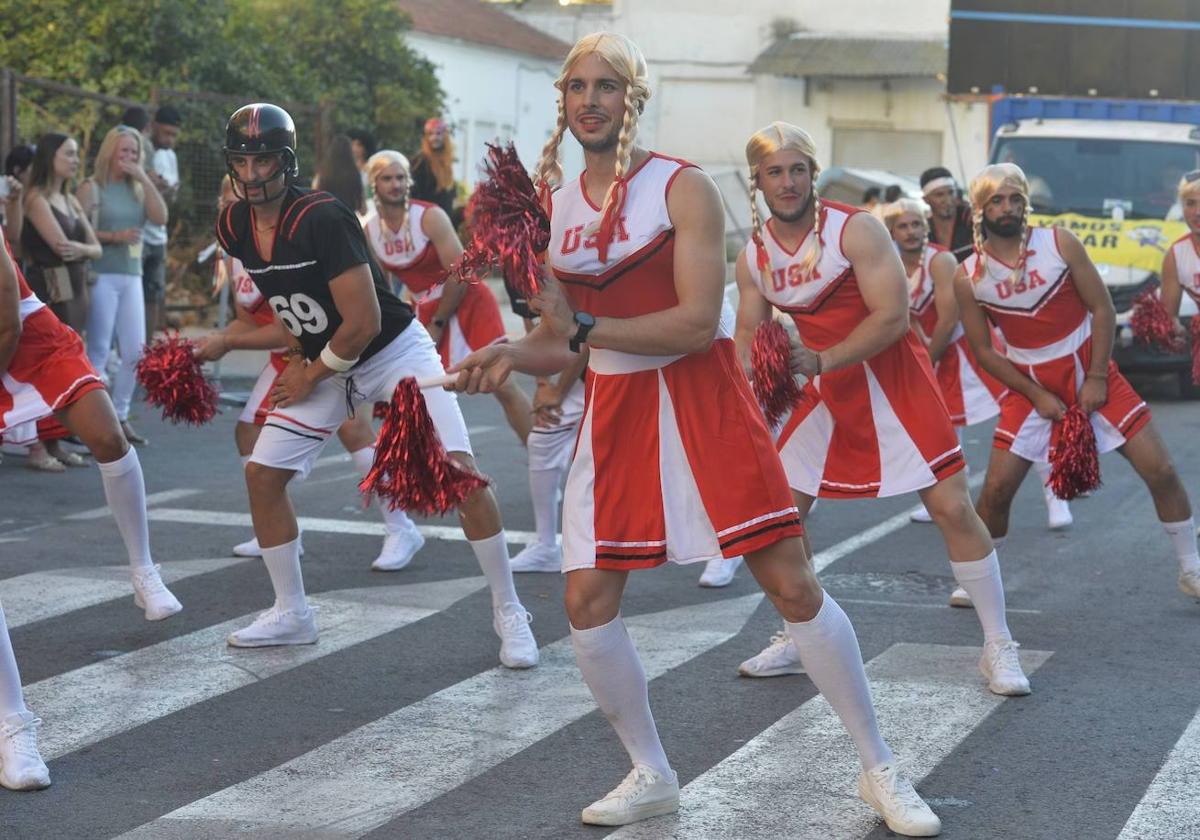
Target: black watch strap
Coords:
[(585, 323)]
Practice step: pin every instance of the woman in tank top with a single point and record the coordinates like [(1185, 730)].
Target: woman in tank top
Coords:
[(57, 240), (121, 198)]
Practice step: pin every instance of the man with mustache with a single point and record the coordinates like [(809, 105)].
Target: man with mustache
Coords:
[(1040, 289), (951, 218)]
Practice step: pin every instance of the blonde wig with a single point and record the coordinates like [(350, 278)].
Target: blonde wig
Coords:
[(629, 64), (986, 184), (104, 169), (892, 212), (777, 137), (1189, 184), (377, 164)]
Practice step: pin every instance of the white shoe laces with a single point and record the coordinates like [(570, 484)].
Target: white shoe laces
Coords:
[(1003, 659), (632, 786), (898, 789), (511, 625), (23, 738), (149, 583)]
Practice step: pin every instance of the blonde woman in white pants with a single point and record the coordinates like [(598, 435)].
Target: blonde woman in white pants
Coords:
[(120, 199)]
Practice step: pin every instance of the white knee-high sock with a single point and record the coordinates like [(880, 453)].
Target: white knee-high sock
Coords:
[(1043, 473), (831, 657), (125, 491), (396, 520), (492, 554), (981, 579), (283, 565), (613, 672), (543, 492), (1183, 538), (12, 701), (245, 459)]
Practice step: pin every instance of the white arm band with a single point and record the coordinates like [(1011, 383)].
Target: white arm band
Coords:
[(333, 361)]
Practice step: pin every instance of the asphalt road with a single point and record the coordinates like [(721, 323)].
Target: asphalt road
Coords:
[(400, 724)]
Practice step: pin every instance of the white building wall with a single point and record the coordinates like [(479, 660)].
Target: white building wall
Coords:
[(705, 104), (495, 94)]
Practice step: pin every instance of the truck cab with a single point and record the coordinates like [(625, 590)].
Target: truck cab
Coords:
[(1110, 170)]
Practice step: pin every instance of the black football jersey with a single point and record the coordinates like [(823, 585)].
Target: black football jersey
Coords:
[(317, 238)]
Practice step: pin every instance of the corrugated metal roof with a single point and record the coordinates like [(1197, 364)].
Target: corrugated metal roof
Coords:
[(481, 23), (832, 56)]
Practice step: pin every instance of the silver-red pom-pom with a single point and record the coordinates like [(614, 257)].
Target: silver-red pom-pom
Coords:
[(174, 381), (1074, 459), (412, 470), (774, 384), (1152, 324), (509, 226)]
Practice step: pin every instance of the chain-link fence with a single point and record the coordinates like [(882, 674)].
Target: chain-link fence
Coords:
[(31, 107)]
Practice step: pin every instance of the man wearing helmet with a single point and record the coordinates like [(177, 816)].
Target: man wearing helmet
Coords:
[(350, 340)]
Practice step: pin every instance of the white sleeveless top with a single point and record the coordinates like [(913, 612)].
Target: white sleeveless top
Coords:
[(788, 288), (1187, 264)]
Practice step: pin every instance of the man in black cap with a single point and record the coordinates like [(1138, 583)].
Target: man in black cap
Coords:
[(950, 225)]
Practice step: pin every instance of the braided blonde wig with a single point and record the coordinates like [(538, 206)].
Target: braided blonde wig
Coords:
[(776, 137), (629, 64), (379, 163), (985, 185)]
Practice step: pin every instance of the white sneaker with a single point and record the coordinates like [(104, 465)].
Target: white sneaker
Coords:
[(251, 548), (152, 595), (518, 648), (1058, 513), (399, 549), (960, 598), (719, 572), (642, 794), (775, 660), (893, 798), (21, 765), (1189, 583), (537, 557), (920, 515), (277, 627), (1002, 668)]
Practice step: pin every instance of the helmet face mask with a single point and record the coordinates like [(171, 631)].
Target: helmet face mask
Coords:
[(257, 130)]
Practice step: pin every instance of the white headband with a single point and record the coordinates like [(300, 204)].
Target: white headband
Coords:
[(938, 183)]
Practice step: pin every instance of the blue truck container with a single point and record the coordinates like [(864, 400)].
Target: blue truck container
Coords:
[(1009, 109)]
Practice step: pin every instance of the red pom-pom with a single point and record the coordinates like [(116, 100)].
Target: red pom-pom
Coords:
[(380, 411), (1196, 349), (412, 470), (1152, 324), (172, 377), (1074, 460), (509, 225), (771, 367)]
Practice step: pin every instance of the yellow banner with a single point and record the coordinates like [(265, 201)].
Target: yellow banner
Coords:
[(1139, 243)]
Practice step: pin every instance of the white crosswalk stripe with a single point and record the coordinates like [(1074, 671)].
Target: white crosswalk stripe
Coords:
[(118, 694), (1170, 807), (377, 772), (40, 595), (797, 778)]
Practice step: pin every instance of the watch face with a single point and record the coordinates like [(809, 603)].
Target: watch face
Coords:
[(585, 319)]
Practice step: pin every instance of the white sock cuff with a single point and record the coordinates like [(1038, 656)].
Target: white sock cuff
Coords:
[(595, 639), (998, 542), (126, 463), (497, 538), (985, 567), (245, 459), (363, 459), (282, 550), (823, 623), (1183, 526)]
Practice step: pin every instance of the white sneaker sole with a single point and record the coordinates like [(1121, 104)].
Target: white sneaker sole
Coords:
[(864, 793), (635, 814), (715, 582), (771, 672), (305, 639), (137, 602), (28, 784), (961, 600)]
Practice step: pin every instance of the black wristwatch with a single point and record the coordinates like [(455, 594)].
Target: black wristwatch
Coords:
[(586, 321)]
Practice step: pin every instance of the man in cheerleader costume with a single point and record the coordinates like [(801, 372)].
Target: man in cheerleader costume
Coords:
[(1181, 264), (674, 461), (1039, 288), (44, 372), (871, 421), (415, 241), (972, 396)]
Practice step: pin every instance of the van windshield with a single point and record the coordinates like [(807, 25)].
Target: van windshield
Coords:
[(1089, 175)]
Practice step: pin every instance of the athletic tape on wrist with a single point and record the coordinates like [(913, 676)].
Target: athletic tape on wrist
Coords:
[(333, 361)]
